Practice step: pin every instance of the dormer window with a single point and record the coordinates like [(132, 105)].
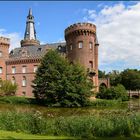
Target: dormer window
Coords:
[(39, 49)]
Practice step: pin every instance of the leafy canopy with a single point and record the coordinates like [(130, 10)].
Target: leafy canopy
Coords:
[(58, 83)]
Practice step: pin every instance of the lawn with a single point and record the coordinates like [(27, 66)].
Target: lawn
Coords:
[(15, 135)]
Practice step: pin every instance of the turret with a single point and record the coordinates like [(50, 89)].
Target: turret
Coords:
[(4, 55), (82, 47), (30, 33)]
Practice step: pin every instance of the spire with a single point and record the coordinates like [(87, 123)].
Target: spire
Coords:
[(30, 12), (30, 32)]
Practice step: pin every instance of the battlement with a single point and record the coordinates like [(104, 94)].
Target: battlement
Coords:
[(80, 26), (4, 40)]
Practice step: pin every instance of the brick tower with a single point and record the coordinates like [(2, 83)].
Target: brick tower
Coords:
[(4, 55), (30, 33), (82, 47)]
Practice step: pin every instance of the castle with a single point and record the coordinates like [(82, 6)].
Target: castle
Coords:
[(20, 64)]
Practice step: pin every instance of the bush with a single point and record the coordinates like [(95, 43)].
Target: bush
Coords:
[(7, 88), (116, 92), (15, 100)]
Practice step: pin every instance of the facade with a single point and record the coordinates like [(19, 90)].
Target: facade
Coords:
[(20, 64)]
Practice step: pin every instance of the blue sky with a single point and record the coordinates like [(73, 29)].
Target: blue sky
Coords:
[(117, 33)]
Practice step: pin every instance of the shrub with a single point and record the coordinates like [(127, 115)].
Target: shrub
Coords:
[(116, 92), (15, 100), (7, 88)]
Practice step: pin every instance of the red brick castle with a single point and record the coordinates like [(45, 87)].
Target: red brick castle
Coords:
[(20, 64)]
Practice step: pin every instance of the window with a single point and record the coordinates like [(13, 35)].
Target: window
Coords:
[(91, 64), (23, 93), (80, 45), (90, 45), (71, 47), (0, 69), (35, 68), (13, 69), (24, 81), (39, 49), (13, 80), (0, 53), (24, 69)]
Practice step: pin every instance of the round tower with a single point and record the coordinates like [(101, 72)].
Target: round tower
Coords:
[(82, 47), (4, 55)]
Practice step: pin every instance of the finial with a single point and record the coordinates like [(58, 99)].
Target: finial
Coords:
[(30, 12)]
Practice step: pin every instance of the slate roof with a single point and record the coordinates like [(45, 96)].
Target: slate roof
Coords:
[(36, 51)]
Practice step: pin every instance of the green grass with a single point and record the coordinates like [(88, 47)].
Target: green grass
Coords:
[(15, 135)]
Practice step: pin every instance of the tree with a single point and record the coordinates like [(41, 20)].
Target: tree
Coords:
[(58, 83), (7, 87), (115, 77), (131, 79), (101, 74), (115, 92)]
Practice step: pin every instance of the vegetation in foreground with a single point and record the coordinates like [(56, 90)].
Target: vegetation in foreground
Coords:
[(93, 103), (7, 88), (19, 135), (113, 124)]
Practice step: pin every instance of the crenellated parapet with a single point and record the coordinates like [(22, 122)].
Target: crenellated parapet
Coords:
[(80, 29), (4, 41)]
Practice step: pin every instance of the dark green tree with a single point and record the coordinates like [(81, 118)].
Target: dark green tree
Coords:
[(115, 77), (58, 83), (131, 79), (101, 74), (115, 92)]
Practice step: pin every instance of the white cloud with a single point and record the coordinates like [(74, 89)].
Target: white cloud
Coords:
[(15, 38), (118, 30)]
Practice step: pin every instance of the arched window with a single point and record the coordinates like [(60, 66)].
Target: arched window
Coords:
[(0, 53), (0, 69), (24, 82), (35, 68), (24, 69), (90, 45), (80, 45), (13, 80)]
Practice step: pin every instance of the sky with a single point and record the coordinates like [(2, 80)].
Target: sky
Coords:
[(118, 26)]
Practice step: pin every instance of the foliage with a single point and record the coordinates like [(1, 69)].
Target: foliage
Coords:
[(116, 92), (114, 123), (115, 77), (104, 103), (15, 100), (101, 74), (16, 135), (58, 83), (7, 87), (131, 79)]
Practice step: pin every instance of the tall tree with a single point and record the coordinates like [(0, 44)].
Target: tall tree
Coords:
[(59, 83), (131, 79)]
